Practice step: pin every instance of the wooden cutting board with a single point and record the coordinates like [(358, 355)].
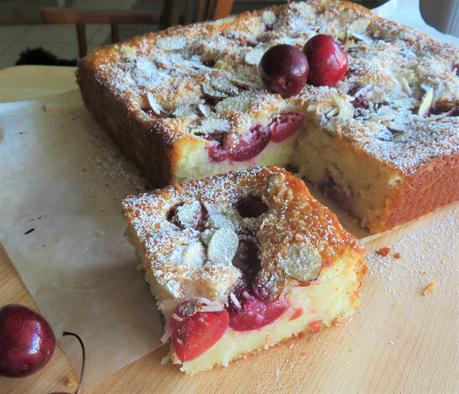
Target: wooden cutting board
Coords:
[(399, 341)]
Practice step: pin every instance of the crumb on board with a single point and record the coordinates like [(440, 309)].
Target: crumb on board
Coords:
[(71, 383), (397, 255), (384, 251), (429, 288)]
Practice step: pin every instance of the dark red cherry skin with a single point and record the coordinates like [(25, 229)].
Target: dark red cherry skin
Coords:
[(251, 313), (284, 69), (250, 145), (327, 61), (246, 259), (27, 342), (284, 125)]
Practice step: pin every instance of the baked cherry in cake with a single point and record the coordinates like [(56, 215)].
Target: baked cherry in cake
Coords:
[(241, 261)]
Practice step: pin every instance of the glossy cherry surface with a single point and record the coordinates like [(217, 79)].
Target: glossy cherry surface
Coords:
[(328, 62), (27, 342), (195, 334), (284, 69), (247, 312)]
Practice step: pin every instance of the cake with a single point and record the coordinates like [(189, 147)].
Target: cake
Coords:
[(189, 102), (241, 261)]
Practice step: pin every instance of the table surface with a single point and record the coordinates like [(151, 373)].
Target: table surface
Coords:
[(290, 367)]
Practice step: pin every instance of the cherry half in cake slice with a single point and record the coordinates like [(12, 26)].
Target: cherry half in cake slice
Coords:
[(271, 263), (247, 312), (194, 333), (237, 148), (284, 125)]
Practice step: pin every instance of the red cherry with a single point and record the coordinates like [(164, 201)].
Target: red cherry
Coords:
[(246, 259), (327, 61), (246, 147), (284, 69), (193, 335), (247, 312), (27, 341), (217, 152), (284, 125)]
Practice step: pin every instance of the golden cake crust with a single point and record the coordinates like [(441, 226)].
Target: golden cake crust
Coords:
[(294, 221), (396, 104)]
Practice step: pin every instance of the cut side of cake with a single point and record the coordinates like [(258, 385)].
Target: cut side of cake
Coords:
[(189, 102), (242, 261)]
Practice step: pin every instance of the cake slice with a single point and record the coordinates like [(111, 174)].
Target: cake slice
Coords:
[(242, 261)]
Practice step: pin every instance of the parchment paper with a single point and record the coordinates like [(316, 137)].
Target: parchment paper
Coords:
[(61, 181)]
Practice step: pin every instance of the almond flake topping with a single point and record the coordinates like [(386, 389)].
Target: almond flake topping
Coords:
[(302, 261), (426, 102), (154, 105), (222, 246), (171, 43)]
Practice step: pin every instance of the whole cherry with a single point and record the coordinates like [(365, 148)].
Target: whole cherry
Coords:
[(284, 69), (27, 342), (328, 62)]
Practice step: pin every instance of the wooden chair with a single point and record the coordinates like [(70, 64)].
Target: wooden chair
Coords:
[(204, 10)]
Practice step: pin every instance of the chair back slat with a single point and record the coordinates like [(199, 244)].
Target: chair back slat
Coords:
[(193, 11)]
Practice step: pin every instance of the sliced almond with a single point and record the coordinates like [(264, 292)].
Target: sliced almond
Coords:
[(211, 124), (204, 109), (254, 56), (405, 85), (222, 246), (426, 102), (194, 255), (224, 85), (154, 105), (171, 43), (128, 51), (269, 18), (211, 92), (359, 26), (183, 111), (302, 261)]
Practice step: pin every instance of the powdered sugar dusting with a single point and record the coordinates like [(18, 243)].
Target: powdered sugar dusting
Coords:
[(188, 261), (397, 78)]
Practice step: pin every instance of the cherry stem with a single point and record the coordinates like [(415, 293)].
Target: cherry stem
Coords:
[(83, 362)]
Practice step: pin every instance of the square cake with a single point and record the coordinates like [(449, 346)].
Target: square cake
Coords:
[(189, 102), (241, 261)]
